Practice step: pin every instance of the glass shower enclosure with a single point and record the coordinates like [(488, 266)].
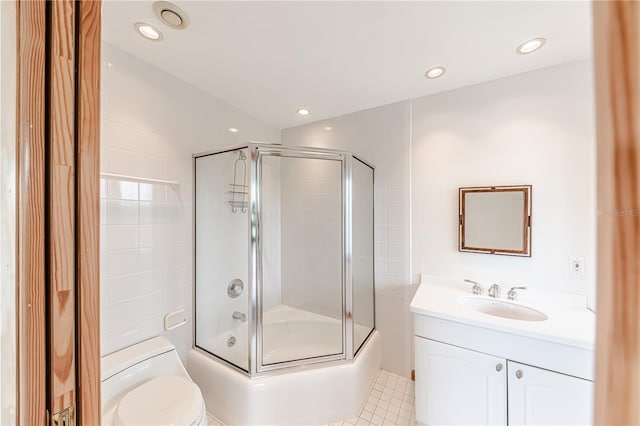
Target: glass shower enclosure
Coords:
[(284, 256)]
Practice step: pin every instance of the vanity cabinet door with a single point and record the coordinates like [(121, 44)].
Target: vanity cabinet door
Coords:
[(543, 397), (456, 386)]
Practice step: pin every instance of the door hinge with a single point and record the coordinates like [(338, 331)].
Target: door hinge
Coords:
[(66, 417)]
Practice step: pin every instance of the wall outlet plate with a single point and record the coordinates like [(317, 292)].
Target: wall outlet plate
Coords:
[(576, 265)]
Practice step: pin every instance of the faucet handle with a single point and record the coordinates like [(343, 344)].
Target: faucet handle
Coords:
[(494, 291), (512, 295), (476, 289), (239, 316)]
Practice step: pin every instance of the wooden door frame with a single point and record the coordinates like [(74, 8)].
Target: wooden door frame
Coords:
[(58, 219), (617, 76)]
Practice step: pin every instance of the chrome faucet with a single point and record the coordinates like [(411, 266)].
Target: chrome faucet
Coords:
[(512, 295), (239, 316), (476, 289), (494, 291)]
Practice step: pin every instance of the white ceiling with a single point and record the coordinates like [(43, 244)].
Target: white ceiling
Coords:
[(270, 58)]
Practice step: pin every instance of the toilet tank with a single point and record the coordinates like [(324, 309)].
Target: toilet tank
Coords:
[(128, 368)]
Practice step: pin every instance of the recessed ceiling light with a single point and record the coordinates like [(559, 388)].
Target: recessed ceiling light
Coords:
[(304, 111), (435, 72), (147, 31), (530, 46), (328, 128), (233, 130)]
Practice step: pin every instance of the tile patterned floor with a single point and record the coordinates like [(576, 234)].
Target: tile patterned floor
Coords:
[(390, 403)]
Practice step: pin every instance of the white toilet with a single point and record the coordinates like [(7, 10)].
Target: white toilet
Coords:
[(146, 384)]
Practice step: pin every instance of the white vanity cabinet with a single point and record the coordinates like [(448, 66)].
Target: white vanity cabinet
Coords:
[(478, 367), (541, 397), (459, 386)]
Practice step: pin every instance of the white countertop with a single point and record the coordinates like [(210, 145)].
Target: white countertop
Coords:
[(567, 325)]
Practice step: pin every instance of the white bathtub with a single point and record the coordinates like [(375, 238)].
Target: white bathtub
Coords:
[(289, 333), (313, 396)]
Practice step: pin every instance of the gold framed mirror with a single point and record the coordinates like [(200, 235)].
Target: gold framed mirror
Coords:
[(495, 220)]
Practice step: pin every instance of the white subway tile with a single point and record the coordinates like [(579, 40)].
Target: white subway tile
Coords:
[(179, 275), (179, 255), (122, 287), (125, 312), (122, 237), (105, 343), (159, 279), (155, 304), (155, 235), (153, 192), (127, 334), (146, 259), (104, 297), (179, 297), (395, 269), (397, 216), (134, 164), (395, 251), (395, 234), (121, 262), (103, 238), (178, 234), (120, 212), (119, 189), (103, 188), (396, 198), (103, 211)]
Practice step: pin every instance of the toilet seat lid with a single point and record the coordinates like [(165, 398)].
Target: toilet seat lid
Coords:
[(164, 400)]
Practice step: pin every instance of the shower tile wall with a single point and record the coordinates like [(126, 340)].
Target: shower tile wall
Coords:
[(312, 237), (152, 123)]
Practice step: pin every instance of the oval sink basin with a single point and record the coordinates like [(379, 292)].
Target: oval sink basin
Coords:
[(502, 308)]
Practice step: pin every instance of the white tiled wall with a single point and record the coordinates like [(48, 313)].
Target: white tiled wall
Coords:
[(152, 123), (311, 235), (146, 261)]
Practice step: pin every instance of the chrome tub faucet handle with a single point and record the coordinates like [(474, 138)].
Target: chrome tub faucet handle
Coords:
[(239, 316)]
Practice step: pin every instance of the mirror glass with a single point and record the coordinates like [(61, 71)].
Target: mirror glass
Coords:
[(496, 220)]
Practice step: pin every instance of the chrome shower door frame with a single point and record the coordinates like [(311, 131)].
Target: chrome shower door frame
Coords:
[(257, 151)]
